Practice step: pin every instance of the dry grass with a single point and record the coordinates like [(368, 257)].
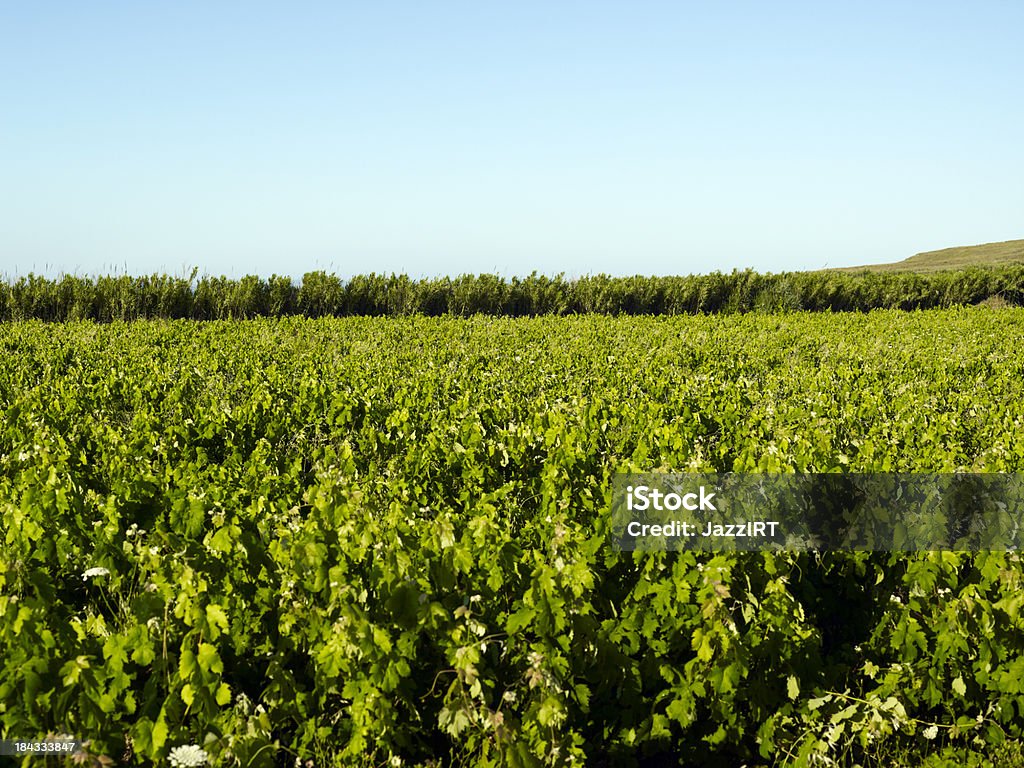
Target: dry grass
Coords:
[(996, 302), (1007, 252)]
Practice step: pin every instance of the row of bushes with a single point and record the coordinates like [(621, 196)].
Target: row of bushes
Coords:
[(320, 294)]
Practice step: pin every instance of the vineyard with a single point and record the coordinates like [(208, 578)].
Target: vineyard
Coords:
[(383, 541)]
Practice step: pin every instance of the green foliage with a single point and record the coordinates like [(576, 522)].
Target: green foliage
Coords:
[(385, 541), (324, 295)]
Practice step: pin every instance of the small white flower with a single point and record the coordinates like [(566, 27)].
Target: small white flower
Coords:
[(930, 732), (94, 572), (188, 756)]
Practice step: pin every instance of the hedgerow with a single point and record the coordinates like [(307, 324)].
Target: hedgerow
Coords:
[(318, 294)]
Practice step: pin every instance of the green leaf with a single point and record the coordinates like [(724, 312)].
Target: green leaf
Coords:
[(143, 654), (959, 686), (520, 619), (682, 710), (223, 694), (792, 688), (209, 660), (186, 664), (816, 703), (217, 620), (159, 734), (550, 711)]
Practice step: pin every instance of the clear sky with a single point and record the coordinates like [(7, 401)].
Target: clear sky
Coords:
[(454, 136)]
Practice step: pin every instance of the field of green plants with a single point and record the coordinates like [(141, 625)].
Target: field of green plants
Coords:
[(385, 541)]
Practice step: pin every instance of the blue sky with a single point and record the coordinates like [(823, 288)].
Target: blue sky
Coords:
[(451, 137)]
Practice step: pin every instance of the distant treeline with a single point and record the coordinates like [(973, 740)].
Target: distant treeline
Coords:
[(321, 294)]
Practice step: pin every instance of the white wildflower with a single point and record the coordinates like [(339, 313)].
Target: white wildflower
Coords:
[(930, 732), (189, 756), (94, 572)]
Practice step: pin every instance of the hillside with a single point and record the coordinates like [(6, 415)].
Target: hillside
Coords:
[(1009, 251)]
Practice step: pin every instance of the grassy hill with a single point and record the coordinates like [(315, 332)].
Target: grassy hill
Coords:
[(953, 258)]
